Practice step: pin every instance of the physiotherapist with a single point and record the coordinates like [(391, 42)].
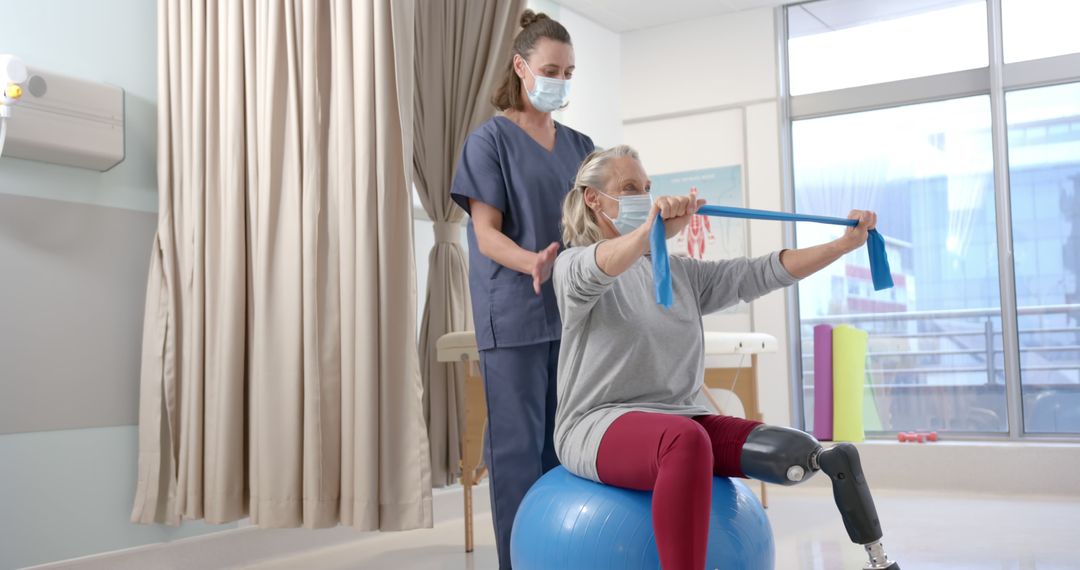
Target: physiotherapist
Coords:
[(513, 174)]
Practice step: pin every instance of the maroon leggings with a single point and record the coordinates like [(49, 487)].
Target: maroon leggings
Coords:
[(675, 457)]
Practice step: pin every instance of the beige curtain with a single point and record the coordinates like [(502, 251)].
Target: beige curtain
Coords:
[(279, 375), (461, 49)]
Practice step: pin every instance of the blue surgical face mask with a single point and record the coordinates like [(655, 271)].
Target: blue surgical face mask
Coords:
[(548, 94), (633, 212)]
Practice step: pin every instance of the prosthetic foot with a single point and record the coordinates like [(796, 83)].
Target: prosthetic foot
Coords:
[(786, 456), (852, 495)]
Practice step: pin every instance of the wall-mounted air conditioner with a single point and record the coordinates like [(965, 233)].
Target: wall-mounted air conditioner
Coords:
[(69, 121)]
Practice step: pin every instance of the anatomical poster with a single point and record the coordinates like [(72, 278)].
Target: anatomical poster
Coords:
[(706, 237)]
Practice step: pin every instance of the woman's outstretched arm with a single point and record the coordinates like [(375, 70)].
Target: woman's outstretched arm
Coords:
[(806, 261)]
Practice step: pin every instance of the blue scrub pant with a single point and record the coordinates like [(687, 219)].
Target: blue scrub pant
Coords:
[(519, 386)]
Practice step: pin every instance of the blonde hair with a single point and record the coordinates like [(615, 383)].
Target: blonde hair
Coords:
[(579, 224)]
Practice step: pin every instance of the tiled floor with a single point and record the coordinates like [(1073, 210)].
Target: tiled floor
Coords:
[(922, 532)]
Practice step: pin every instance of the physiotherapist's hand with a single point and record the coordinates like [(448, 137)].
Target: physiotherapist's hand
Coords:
[(855, 237), (543, 264), (676, 211)]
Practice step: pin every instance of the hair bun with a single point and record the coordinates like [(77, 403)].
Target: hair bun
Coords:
[(528, 17)]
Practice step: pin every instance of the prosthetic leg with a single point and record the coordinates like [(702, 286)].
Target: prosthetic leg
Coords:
[(786, 456)]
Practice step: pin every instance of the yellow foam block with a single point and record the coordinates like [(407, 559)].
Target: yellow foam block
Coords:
[(849, 373)]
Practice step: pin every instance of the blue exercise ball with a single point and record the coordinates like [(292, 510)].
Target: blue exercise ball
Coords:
[(568, 523)]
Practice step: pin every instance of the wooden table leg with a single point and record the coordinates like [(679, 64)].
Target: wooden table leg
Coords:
[(472, 444), (466, 471), (467, 483)]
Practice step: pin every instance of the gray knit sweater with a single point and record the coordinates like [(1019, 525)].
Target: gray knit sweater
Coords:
[(622, 352)]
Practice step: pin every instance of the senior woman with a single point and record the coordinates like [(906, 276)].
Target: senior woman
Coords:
[(630, 371)]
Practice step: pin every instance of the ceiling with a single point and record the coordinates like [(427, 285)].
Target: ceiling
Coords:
[(628, 15), (805, 18), (817, 17)]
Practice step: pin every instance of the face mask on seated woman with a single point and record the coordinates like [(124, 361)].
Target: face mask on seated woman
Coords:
[(633, 211)]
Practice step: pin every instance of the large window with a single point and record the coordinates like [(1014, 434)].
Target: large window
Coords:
[(1044, 172), (906, 108), (928, 170)]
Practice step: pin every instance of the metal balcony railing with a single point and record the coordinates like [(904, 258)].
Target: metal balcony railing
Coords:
[(989, 350), (945, 369)]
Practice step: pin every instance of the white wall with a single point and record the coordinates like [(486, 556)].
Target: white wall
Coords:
[(704, 93), (700, 64), (69, 493), (112, 41), (595, 88)]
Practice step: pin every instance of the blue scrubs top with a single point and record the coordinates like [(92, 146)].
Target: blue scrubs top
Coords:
[(505, 168)]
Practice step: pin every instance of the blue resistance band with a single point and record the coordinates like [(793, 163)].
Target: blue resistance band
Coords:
[(875, 245)]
